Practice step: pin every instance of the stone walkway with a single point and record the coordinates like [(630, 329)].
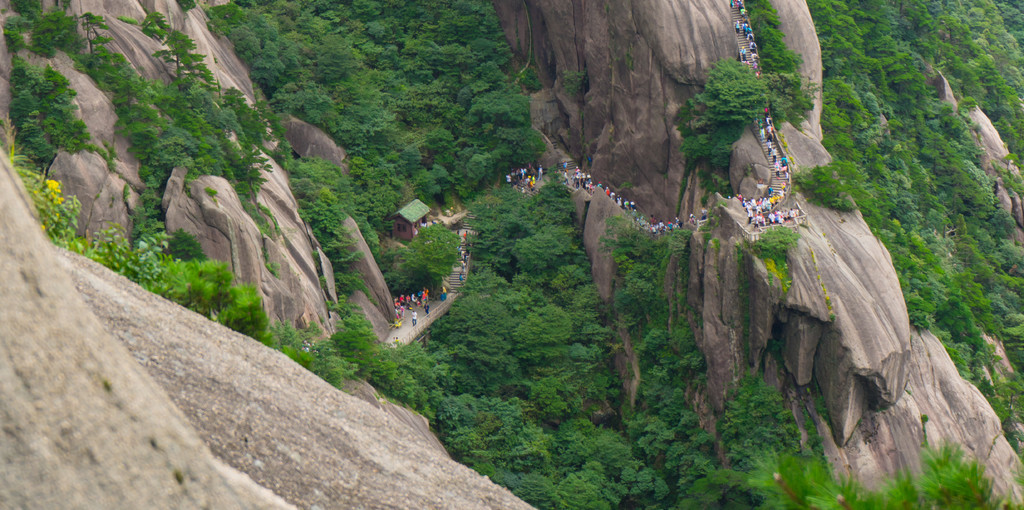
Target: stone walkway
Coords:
[(407, 333)]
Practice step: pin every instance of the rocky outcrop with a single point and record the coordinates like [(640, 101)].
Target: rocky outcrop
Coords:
[(84, 425), (748, 166), (595, 227), (937, 407), (266, 416), (862, 363), (284, 263), (415, 423), (641, 59), (100, 186), (101, 193), (806, 150), (366, 266), (279, 263), (308, 141)]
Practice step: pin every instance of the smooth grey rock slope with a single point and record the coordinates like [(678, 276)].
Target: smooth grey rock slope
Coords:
[(309, 141), (957, 413), (268, 417), (84, 426)]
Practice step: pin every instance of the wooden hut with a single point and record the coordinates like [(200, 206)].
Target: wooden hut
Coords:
[(407, 219)]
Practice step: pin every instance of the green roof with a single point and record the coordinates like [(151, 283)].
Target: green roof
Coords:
[(414, 210)]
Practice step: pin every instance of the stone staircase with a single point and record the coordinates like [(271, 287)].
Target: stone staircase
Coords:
[(454, 282), (779, 184)]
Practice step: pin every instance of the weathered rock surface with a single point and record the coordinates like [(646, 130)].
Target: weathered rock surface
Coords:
[(748, 165), (416, 423), (84, 425), (101, 193), (800, 36), (642, 60), (713, 294), (956, 412), (596, 224), (864, 363), (943, 89), (212, 211), (379, 294), (806, 150), (309, 141), (268, 417)]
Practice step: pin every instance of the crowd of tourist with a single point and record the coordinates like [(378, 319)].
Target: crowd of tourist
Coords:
[(525, 179), (761, 213)]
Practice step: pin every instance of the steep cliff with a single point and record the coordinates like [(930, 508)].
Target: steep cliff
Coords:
[(636, 63), (840, 326)]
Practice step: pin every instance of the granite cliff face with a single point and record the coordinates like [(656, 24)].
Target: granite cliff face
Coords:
[(639, 61), (842, 322)]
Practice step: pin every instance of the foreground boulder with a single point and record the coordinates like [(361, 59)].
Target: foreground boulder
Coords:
[(84, 426), (277, 422)]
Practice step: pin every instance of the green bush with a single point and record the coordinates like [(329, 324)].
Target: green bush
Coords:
[(144, 263), (775, 243), (204, 286)]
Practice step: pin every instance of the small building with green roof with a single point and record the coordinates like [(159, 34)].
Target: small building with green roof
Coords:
[(407, 218)]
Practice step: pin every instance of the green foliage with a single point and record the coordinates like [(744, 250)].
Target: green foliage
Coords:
[(828, 186), (779, 65), (732, 98), (516, 234), (756, 425), (349, 353), (376, 77), (910, 161), (58, 215), (144, 263), (205, 287), (43, 113), (155, 25), (295, 343), (430, 256), (574, 82), (326, 199), (55, 30), (92, 24), (947, 480), (184, 246), (775, 243), (189, 67)]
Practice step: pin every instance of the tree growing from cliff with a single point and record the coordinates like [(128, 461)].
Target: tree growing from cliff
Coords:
[(91, 25), (732, 99), (188, 66), (155, 26)]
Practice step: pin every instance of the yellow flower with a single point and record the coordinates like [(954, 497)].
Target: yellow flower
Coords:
[(53, 185)]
